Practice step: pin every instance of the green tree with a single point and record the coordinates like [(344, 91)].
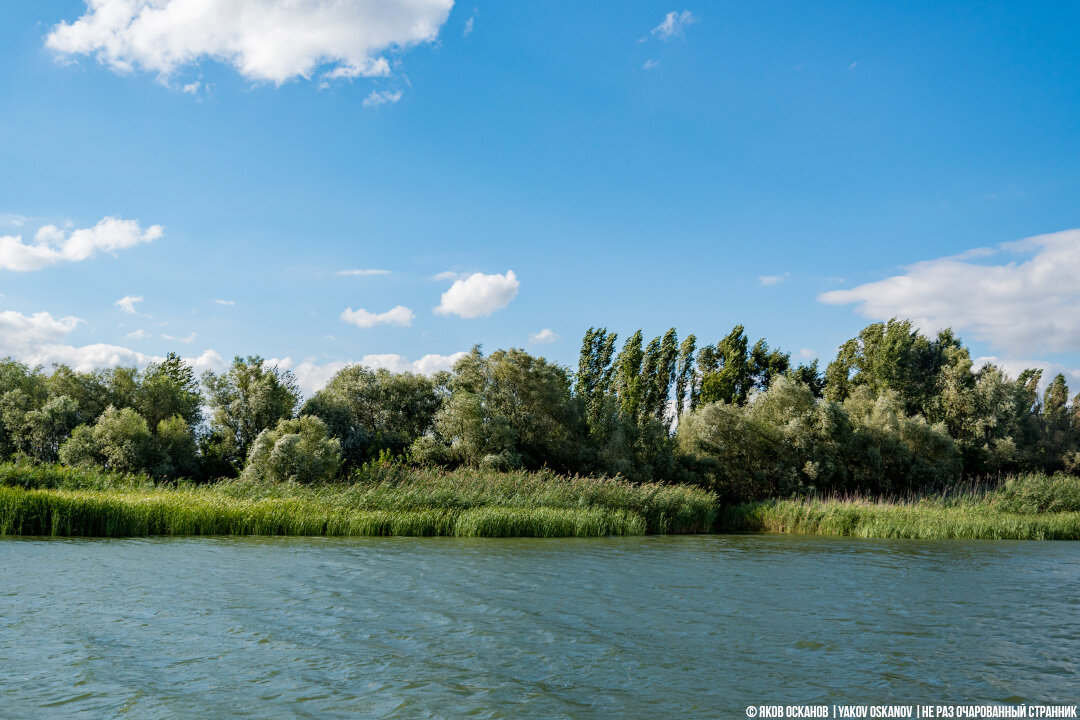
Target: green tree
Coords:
[(628, 384), (593, 383), (169, 389), (507, 410), (249, 398), (684, 375), (371, 411)]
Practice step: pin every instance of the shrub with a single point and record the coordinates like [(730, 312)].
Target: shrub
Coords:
[(298, 450)]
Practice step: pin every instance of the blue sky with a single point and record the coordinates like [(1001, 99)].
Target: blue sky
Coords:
[(801, 169)]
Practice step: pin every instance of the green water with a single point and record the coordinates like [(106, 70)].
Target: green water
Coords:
[(622, 628)]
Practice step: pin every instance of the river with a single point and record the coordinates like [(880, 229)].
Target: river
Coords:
[(648, 627)]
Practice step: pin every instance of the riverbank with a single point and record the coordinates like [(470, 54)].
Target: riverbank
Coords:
[(399, 500), (923, 521), (390, 501)]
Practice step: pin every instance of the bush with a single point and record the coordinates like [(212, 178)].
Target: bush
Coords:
[(298, 450)]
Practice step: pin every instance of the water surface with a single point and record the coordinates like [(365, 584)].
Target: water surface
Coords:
[(443, 627)]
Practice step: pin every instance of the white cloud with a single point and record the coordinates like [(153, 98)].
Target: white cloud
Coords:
[(1014, 367), (19, 333), (191, 88), (208, 360), (139, 334), (1019, 306), (447, 275), (382, 97), (479, 294), (37, 339), (650, 64), (469, 25), (673, 25), (773, 279), (807, 354), (186, 340), (127, 303), (264, 40), (11, 219), (52, 245), (228, 303), (545, 336), (362, 273), (313, 376), (398, 315)]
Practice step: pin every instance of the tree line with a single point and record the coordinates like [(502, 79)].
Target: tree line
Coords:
[(895, 411)]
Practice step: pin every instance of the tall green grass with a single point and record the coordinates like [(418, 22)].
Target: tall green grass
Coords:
[(402, 502), (398, 500), (1024, 507)]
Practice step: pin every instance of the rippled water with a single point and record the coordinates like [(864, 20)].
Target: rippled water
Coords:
[(630, 628)]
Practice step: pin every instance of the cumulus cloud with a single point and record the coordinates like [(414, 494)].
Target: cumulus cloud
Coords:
[(382, 97), (313, 376), (1029, 300), (479, 294), (264, 40), (127, 304), (53, 245), (545, 336), (38, 339), (20, 333), (398, 315), (208, 360), (773, 279), (673, 25), (361, 273)]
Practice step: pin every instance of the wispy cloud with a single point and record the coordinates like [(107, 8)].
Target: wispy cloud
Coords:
[(673, 25), (382, 97), (186, 340), (468, 29), (773, 279), (361, 273), (127, 304), (544, 337), (229, 303), (650, 64)]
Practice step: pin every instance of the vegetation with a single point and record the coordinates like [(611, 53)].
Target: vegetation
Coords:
[(379, 499), (1024, 507), (896, 413)]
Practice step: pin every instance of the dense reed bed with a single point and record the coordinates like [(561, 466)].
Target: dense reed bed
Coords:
[(379, 501), (1024, 507), (393, 499)]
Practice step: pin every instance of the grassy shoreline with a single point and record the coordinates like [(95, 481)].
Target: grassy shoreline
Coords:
[(395, 500), (869, 519), (388, 501)]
